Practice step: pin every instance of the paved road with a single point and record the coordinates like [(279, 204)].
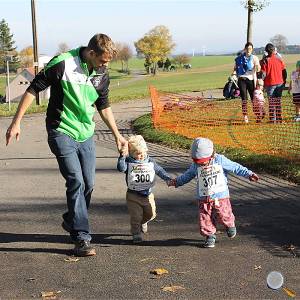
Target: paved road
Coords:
[(33, 247)]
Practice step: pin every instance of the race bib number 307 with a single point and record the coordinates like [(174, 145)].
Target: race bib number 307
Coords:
[(140, 176), (211, 180)]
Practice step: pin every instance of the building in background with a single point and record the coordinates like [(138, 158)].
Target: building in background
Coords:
[(23, 79)]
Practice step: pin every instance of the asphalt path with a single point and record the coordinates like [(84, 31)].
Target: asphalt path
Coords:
[(35, 252)]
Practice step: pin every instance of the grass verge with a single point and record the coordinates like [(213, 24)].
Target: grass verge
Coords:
[(276, 166), (4, 112)]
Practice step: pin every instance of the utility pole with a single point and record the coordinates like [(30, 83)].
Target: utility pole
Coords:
[(35, 47), (8, 59), (250, 21)]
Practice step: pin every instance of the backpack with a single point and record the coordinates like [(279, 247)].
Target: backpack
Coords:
[(227, 90), (230, 91), (244, 64)]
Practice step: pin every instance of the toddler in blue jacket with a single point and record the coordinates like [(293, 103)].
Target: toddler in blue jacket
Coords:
[(140, 172), (210, 170)]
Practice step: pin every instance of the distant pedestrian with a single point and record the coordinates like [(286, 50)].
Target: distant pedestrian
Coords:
[(259, 101), (274, 74), (211, 170), (79, 86), (246, 67), (140, 172), (295, 88)]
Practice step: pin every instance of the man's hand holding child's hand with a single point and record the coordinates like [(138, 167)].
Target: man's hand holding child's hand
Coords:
[(124, 150), (253, 177)]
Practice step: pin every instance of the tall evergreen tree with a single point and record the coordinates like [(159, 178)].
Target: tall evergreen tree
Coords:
[(6, 44)]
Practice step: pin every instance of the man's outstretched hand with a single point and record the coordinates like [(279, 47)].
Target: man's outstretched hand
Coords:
[(13, 130)]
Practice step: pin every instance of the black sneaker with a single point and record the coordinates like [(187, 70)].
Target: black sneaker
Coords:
[(83, 248)]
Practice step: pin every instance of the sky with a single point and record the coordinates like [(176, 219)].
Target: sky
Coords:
[(215, 26)]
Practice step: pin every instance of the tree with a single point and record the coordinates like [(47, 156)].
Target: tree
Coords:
[(160, 64), (253, 6), (124, 53), (6, 45), (62, 48), (155, 45), (26, 57), (167, 64), (279, 41), (181, 59)]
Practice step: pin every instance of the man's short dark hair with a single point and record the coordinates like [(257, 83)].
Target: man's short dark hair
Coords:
[(101, 43), (270, 48)]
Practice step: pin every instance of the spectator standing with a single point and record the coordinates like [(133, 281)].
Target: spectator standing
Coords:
[(246, 67), (295, 88), (274, 74)]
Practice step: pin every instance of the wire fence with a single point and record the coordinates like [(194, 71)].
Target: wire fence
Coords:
[(223, 122)]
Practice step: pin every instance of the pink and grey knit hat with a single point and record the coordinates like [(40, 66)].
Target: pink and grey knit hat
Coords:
[(202, 150)]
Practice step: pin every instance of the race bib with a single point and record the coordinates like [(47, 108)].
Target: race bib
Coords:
[(140, 176), (211, 180)]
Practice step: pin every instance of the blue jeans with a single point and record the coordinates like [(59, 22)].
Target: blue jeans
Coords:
[(274, 91), (77, 163)]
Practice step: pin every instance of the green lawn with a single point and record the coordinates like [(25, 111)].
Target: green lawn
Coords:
[(2, 85)]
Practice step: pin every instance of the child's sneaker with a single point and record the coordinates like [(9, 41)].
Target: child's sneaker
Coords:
[(137, 238), (210, 241), (145, 228), (231, 232)]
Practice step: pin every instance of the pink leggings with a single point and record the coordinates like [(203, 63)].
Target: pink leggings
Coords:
[(212, 212)]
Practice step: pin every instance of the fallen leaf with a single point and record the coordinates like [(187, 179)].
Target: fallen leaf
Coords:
[(289, 292), (172, 288), (181, 273), (30, 279), (257, 267), (50, 295), (146, 259), (71, 259), (159, 271), (290, 248)]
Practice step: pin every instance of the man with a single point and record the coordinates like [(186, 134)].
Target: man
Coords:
[(79, 82), (274, 74)]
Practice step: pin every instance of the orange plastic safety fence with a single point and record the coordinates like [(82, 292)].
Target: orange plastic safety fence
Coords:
[(270, 128)]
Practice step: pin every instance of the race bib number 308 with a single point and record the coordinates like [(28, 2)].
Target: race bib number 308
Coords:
[(211, 180), (140, 176)]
